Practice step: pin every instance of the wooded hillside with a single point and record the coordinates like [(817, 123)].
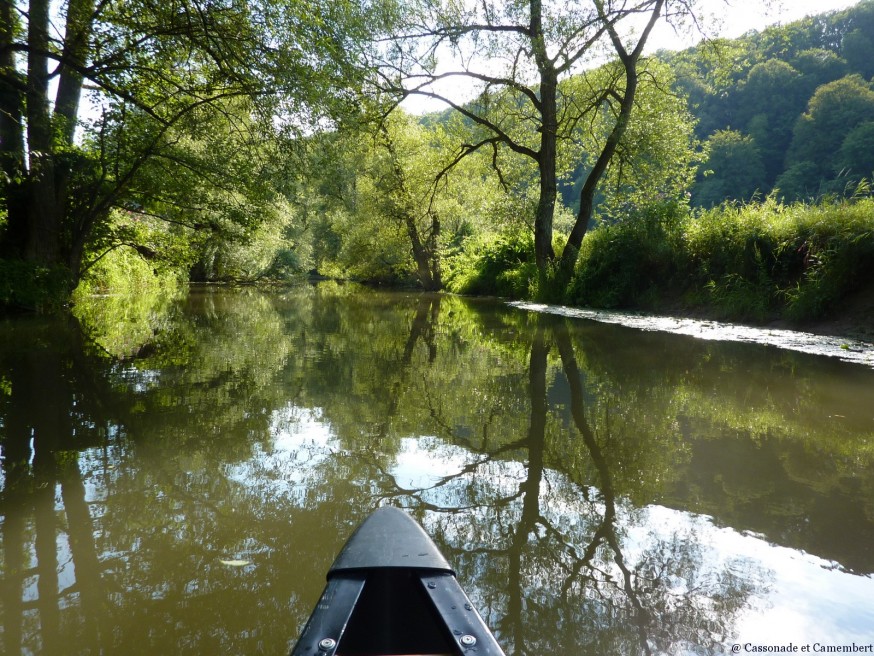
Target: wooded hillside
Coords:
[(789, 108)]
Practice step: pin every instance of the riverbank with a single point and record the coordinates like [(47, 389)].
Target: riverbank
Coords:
[(852, 319), (847, 333), (842, 347), (798, 267)]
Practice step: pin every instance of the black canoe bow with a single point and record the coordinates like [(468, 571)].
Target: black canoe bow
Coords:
[(391, 591)]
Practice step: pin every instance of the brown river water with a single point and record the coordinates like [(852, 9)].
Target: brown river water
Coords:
[(177, 476)]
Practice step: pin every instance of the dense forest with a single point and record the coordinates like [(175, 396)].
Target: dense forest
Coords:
[(143, 146), (790, 108)]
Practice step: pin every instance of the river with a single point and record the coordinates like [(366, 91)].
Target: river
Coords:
[(177, 476)]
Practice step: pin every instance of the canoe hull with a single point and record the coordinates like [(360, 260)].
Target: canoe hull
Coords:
[(390, 591)]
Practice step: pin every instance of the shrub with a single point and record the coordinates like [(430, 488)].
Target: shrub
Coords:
[(754, 261), (767, 259), (838, 248), (122, 271), (630, 263), (501, 265), (33, 287)]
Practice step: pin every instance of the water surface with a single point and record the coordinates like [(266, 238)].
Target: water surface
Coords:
[(177, 477)]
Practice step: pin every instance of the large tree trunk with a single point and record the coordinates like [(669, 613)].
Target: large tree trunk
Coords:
[(36, 181), (80, 14), (543, 253), (590, 187), (423, 254), (433, 246), (543, 220), (43, 219)]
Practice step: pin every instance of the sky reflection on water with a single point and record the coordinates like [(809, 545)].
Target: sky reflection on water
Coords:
[(598, 489)]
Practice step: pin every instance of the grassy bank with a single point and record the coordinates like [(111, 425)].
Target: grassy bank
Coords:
[(756, 263)]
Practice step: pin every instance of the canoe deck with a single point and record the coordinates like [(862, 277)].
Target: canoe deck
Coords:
[(391, 593)]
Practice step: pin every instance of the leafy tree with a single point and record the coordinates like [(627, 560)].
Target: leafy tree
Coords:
[(761, 83), (856, 156), (658, 155), (857, 48), (802, 180), (708, 75), (772, 97), (734, 169), (857, 45), (391, 199), (817, 67), (832, 113), (157, 74), (530, 47)]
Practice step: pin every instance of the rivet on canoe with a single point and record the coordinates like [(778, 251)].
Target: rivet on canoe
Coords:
[(431, 585), (327, 643), (467, 640)]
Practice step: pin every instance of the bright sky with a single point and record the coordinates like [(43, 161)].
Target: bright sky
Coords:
[(732, 18), (722, 18)]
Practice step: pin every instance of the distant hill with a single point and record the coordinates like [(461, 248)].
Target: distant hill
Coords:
[(789, 108)]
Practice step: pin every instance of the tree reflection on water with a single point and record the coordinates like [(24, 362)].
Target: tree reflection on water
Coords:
[(189, 492)]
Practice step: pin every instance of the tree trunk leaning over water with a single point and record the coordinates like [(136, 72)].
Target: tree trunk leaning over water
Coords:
[(425, 247), (625, 98)]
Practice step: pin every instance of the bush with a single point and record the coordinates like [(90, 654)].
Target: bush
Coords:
[(755, 262), (500, 265), (33, 287), (768, 259), (631, 263), (122, 271), (838, 250)]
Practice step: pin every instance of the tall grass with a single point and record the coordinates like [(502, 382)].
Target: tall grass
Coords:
[(747, 262), (754, 262)]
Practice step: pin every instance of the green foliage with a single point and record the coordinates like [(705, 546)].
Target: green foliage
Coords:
[(373, 197), (657, 156), (752, 262), (192, 104), (734, 168), (630, 263), (500, 265), (833, 112), (856, 156), (124, 272), (772, 97), (737, 256), (124, 325), (838, 248), (797, 90), (762, 260), (33, 287), (122, 301)]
